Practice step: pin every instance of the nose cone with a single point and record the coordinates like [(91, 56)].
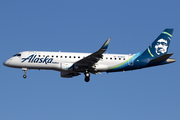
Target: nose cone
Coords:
[(6, 63)]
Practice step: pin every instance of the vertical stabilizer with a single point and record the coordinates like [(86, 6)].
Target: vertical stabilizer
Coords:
[(160, 45)]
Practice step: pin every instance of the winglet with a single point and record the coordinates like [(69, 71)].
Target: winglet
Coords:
[(105, 45)]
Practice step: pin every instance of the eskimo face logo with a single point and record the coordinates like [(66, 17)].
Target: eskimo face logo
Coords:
[(161, 46), (33, 59)]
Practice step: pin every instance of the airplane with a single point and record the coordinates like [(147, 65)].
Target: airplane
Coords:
[(72, 64)]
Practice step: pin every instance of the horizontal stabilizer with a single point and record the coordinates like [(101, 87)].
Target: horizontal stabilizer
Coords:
[(162, 58)]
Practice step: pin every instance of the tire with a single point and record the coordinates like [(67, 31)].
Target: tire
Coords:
[(87, 79), (24, 76)]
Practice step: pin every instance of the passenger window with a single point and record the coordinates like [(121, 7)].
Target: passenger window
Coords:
[(110, 58), (114, 58), (69, 56), (124, 59), (106, 57), (119, 58), (47, 55), (65, 56), (56, 56), (39, 55), (61, 56), (43, 55), (52, 55), (74, 56), (78, 56)]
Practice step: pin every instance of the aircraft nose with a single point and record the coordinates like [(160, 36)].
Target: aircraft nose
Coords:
[(6, 63)]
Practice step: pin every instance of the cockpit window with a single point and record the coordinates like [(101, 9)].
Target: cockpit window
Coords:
[(17, 55)]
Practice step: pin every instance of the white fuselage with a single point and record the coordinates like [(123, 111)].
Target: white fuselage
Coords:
[(71, 64), (60, 61)]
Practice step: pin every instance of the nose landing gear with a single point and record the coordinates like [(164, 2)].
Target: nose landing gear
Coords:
[(25, 71)]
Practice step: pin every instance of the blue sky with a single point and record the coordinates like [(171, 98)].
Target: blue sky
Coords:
[(83, 26)]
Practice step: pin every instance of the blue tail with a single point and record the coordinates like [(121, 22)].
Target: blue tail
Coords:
[(160, 46), (155, 54)]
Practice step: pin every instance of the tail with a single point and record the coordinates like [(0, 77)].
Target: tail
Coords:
[(160, 46)]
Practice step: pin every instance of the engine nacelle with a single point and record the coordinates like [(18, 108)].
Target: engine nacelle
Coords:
[(66, 66), (68, 74), (100, 67)]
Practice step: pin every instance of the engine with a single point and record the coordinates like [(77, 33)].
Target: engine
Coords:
[(66, 66), (100, 67), (69, 74)]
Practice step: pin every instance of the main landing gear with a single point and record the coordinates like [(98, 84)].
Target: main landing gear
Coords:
[(25, 71), (87, 76)]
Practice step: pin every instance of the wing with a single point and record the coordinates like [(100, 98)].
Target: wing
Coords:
[(88, 62)]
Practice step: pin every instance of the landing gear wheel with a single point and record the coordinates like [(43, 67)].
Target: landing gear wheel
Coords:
[(24, 76), (87, 76), (87, 79), (25, 71)]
